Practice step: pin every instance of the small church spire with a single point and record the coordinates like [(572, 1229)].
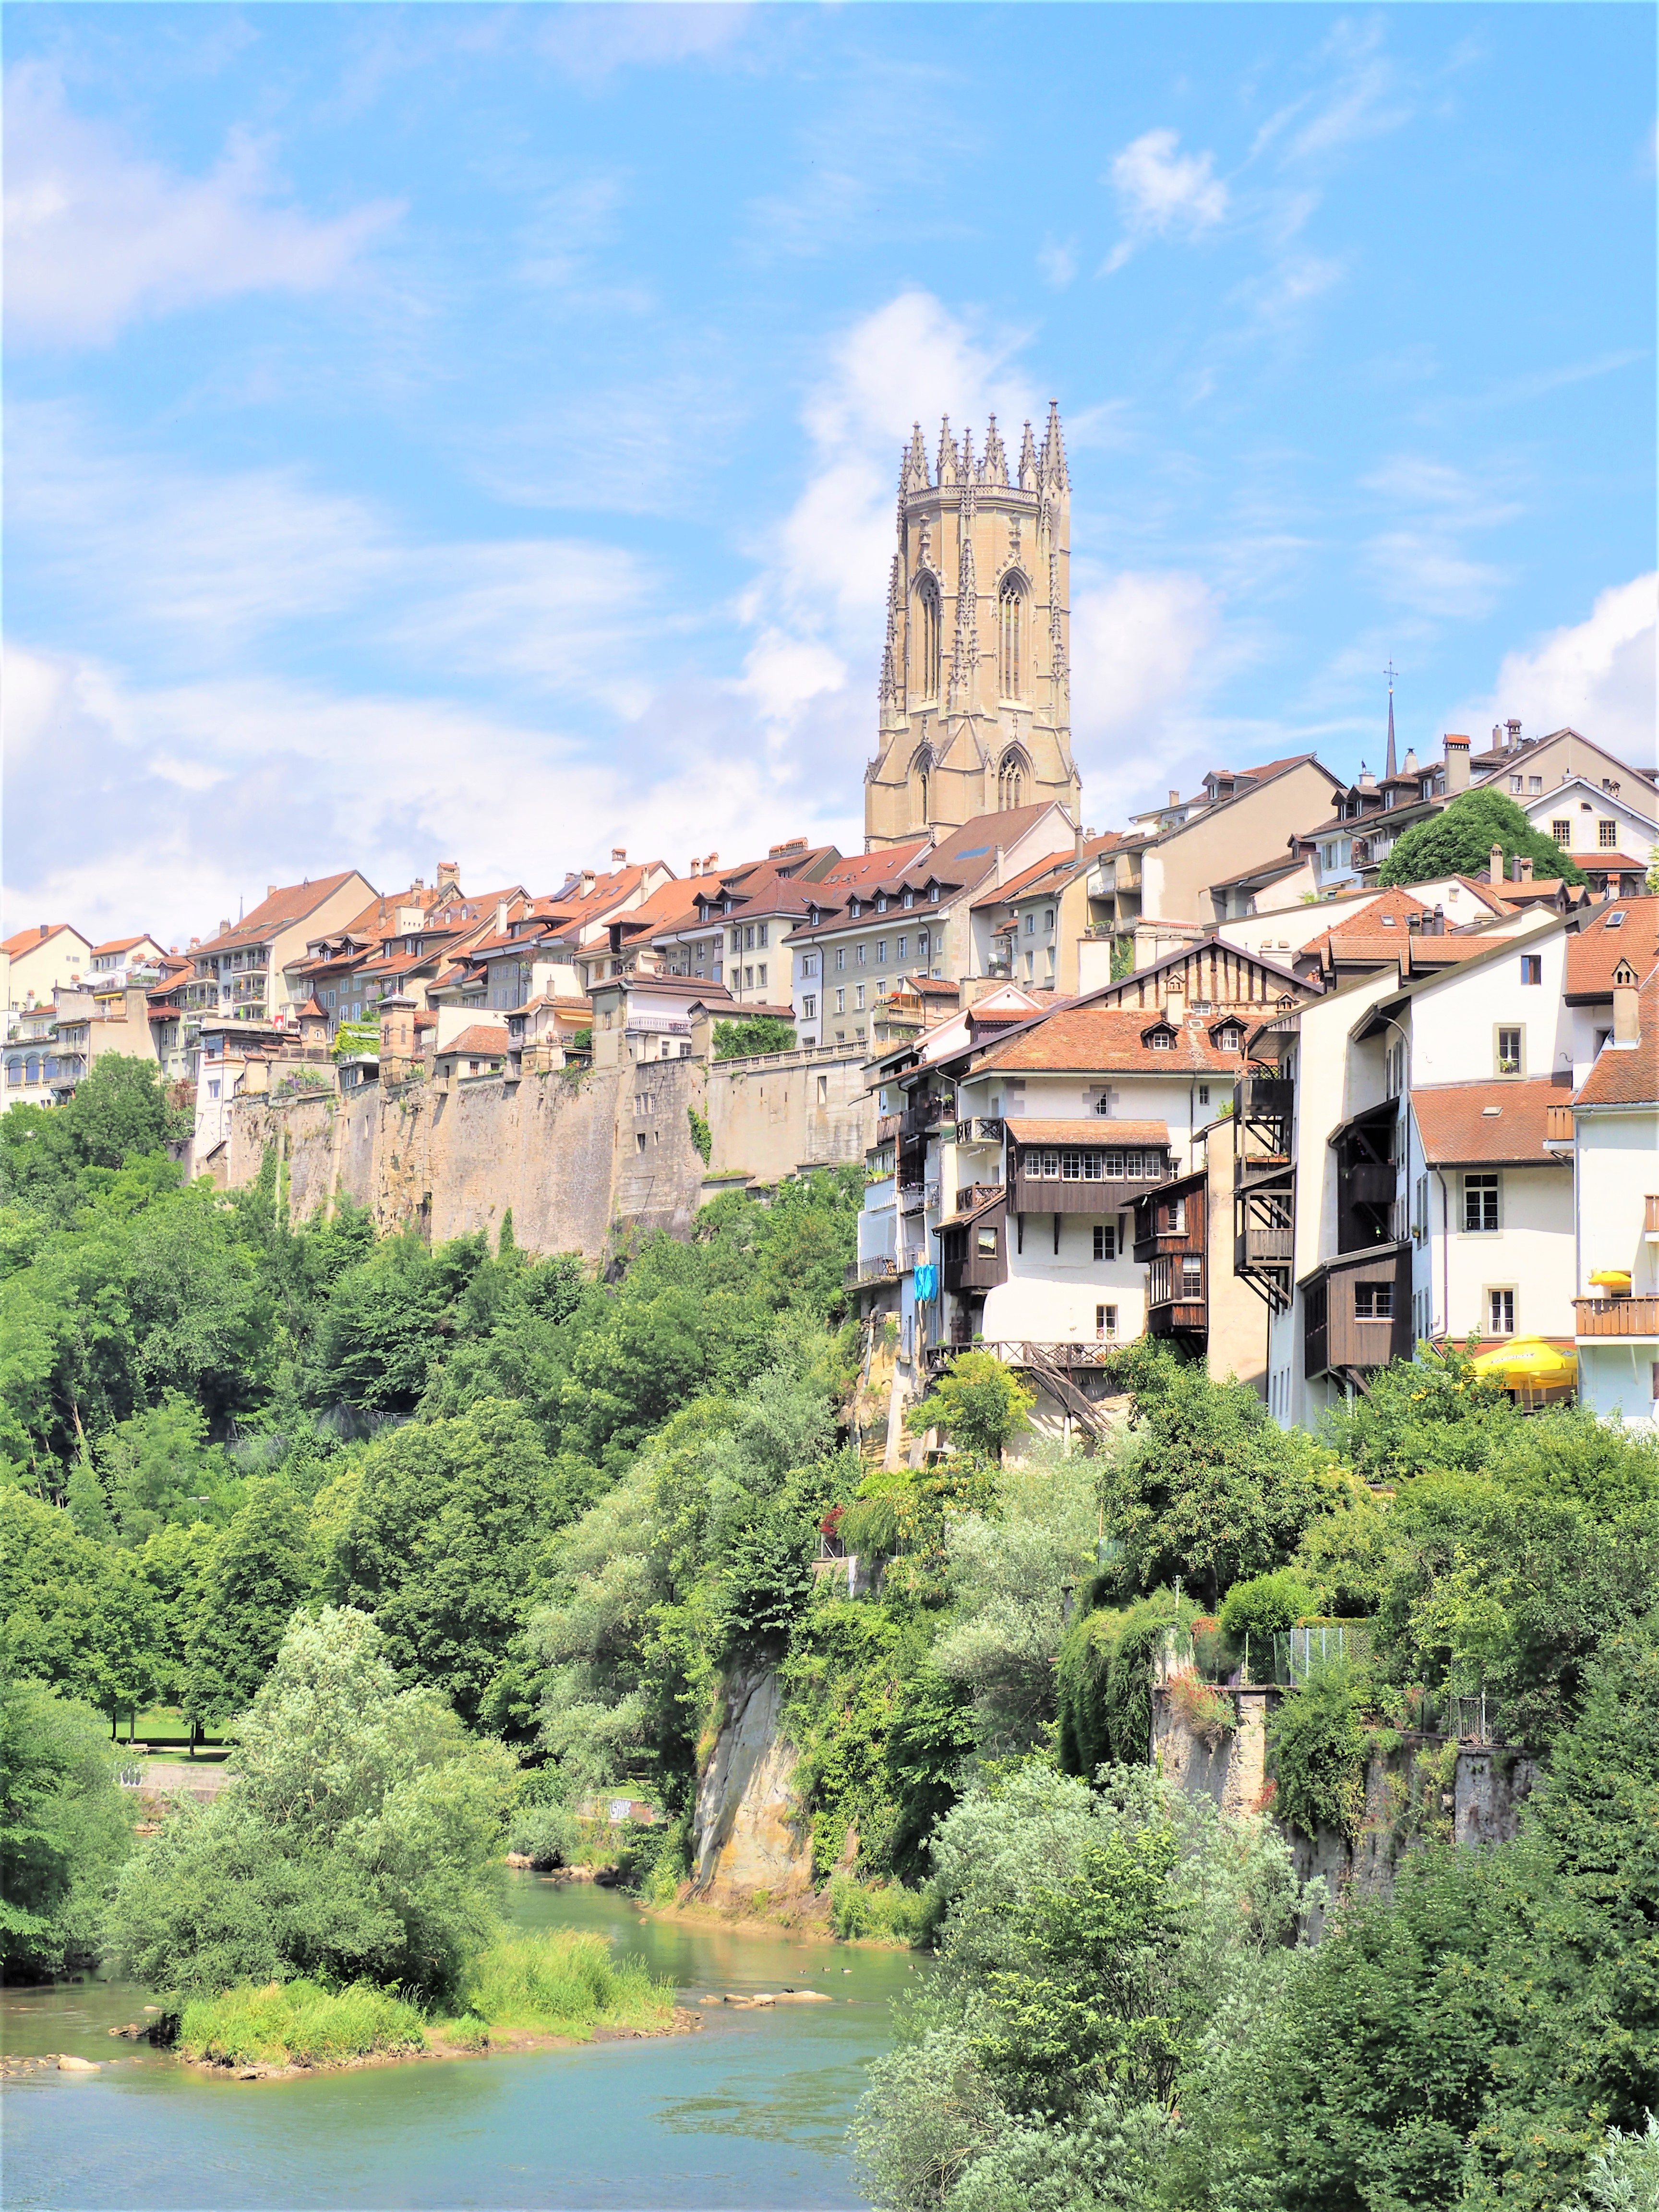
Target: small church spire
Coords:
[(967, 456), (949, 466), (1052, 466), (913, 469), (1028, 462), (1390, 771), (994, 468)]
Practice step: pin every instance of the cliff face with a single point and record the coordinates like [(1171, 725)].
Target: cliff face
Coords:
[(748, 1834), (1418, 1787), (579, 1161)]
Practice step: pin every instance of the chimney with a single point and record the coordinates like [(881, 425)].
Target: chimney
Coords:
[(1076, 846), (1367, 780), (44, 929), (1408, 766), (998, 869), (1174, 799), (587, 883), (270, 890), (1498, 737), (1626, 1015), (1513, 729), (1457, 764), (1495, 870), (709, 860), (500, 917), (1523, 870), (449, 875), (618, 856)]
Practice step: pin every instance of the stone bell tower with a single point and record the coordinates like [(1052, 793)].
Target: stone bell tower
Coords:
[(975, 694)]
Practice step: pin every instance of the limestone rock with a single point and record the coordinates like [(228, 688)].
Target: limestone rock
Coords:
[(750, 1833)]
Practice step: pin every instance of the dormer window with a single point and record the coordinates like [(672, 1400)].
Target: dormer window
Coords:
[(853, 909), (932, 893), (910, 898), (1229, 1037), (1159, 1038)]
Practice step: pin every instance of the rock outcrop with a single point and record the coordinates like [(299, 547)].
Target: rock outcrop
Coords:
[(749, 1835)]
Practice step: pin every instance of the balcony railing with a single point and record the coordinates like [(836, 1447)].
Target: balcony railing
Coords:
[(859, 1274), (980, 1129), (1558, 1125), (1616, 1317), (968, 1195)]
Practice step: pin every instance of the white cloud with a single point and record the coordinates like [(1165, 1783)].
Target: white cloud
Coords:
[(1147, 649), (309, 780), (590, 43), (1057, 262), (1422, 560), (1598, 675), (1163, 192), (96, 236)]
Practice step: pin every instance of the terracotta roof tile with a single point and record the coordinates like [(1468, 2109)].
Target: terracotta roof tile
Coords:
[(1498, 1121), (1628, 1075), (482, 1038), (1087, 1038), (1025, 1131), (292, 903), (1599, 946), (27, 939)]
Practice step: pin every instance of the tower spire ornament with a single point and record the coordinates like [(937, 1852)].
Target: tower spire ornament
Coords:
[(976, 717), (1389, 771)]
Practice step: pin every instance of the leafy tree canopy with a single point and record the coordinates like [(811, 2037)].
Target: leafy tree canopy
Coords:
[(752, 1034), (1458, 841)]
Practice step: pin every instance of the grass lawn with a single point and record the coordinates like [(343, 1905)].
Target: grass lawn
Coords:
[(157, 1721)]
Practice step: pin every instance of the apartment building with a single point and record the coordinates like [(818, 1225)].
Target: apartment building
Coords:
[(1609, 836), (910, 912), (1038, 923), (36, 961), (1615, 1171), (1406, 1166), (120, 958), (249, 971)]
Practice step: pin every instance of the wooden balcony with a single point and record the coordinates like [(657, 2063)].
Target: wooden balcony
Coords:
[(1638, 1317), (972, 1195), (1558, 1125)]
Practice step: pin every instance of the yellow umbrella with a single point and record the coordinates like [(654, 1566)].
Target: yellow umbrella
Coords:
[(1612, 1279), (1526, 1360)]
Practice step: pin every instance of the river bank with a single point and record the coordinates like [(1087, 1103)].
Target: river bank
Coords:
[(744, 2117)]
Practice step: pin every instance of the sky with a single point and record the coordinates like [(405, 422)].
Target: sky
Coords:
[(473, 433)]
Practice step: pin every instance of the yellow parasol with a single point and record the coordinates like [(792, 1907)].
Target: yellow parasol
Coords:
[(1528, 1362), (1616, 1280)]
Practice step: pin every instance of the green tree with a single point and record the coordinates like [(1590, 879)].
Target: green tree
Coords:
[(158, 1469), (1208, 1487), (121, 1110), (261, 1569), (355, 1840), (981, 1404), (78, 1614), (1458, 841), (753, 1033), (64, 1829)]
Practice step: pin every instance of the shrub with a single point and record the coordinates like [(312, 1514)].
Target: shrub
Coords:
[(544, 1834), (1207, 1712), (882, 1912), (1318, 1752), (979, 1402), (298, 2023), (1266, 1604), (563, 1981)]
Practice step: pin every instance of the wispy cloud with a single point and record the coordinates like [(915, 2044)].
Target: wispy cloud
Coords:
[(1597, 674), (96, 236), (1164, 193), (591, 43)]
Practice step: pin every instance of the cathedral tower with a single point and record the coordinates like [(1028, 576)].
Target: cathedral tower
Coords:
[(975, 694)]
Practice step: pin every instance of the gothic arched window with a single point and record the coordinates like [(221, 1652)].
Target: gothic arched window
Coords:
[(927, 609), (1011, 781), (1010, 639), (919, 786)]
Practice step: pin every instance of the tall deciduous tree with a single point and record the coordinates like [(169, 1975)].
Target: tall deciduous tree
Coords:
[(1459, 841)]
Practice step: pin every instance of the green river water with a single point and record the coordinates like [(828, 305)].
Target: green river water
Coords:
[(750, 2113)]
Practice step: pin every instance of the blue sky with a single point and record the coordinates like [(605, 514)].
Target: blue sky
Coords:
[(472, 432)]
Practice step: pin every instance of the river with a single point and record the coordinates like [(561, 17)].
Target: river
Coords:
[(750, 2113)]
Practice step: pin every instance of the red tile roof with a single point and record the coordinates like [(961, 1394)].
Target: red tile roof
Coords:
[(1599, 945), (1628, 1075), (42, 933), (1496, 1121), (123, 944), (1087, 1038), (1367, 936), (292, 903), (482, 1040)]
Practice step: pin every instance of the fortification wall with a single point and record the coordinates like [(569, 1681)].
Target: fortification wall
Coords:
[(581, 1162), (789, 1110)]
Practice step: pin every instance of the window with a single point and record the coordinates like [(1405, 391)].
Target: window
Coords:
[(1373, 1301), (841, 957), (861, 953), (761, 971), (932, 893), (881, 952), (1105, 1240), (1516, 783), (1480, 1204), (1532, 967), (858, 999), (1500, 1313), (1535, 785), (926, 670), (736, 940), (1509, 1050), (1203, 1094), (1607, 835), (1048, 917), (1031, 923), (1191, 1275), (985, 1242), (809, 1007), (840, 1002), (1162, 1041), (761, 937), (213, 1088), (904, 948), (749, 938), (1010, 609), (1011, 781), (1562, 832), (1105, 1320), (921, 944), (808, 965)]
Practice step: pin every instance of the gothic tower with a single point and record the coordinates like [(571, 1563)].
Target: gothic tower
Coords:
[(975, 694)]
